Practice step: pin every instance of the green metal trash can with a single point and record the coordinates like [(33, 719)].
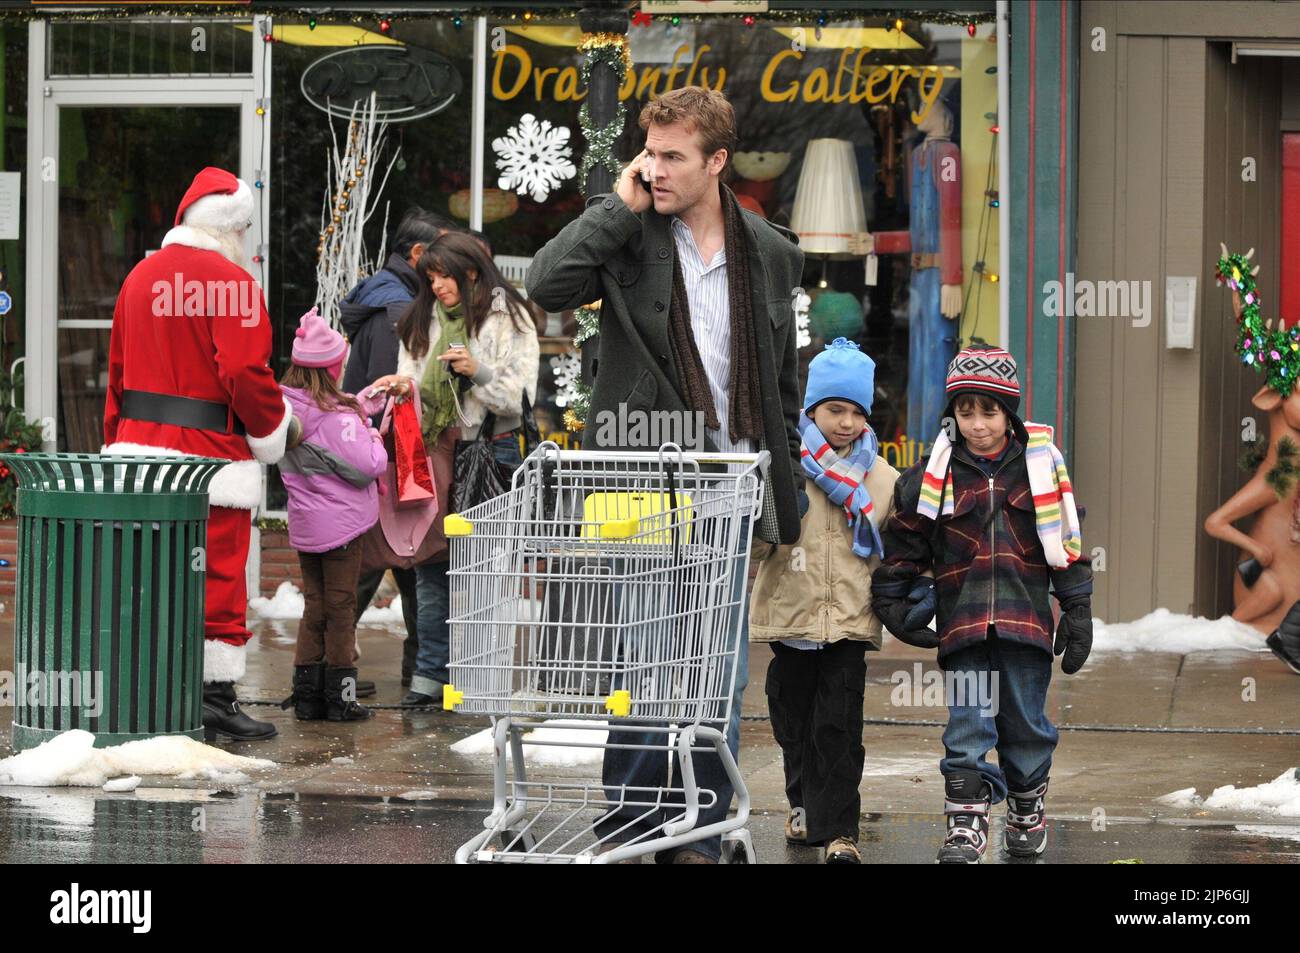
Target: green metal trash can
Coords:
[(111, 571)]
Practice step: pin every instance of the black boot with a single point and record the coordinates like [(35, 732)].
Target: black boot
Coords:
[(966, 808), (1285, 640), (410, 648), (222, 716), (1026, 833), (365, 689), (340, 696), (308, 698)]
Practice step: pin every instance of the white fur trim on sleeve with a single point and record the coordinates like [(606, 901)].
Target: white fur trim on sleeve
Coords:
[(223, 662), (237, 485), (270, 449)]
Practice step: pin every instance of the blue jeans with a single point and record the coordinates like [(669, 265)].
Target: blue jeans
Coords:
[(1020, 729), (651, 768), (433, 598)]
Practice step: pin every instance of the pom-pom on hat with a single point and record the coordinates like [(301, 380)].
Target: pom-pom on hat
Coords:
[(841, 371), (216, 200), (316, 344)]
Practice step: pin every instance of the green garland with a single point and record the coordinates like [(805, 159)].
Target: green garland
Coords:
[(575, 416), (610, 49), (1274, 351)]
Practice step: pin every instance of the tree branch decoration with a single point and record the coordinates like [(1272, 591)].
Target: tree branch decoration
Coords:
[(348, 204), (572, 393), (1274, 351)]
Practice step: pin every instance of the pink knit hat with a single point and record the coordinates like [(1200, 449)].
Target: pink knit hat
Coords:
[(316, 344)]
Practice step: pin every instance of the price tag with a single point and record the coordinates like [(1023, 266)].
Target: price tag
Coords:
[(872, 263)]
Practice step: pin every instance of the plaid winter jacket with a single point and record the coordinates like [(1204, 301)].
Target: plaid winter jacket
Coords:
[(988, 564)]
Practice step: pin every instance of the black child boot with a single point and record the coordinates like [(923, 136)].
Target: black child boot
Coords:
[(966, 809), (308, 698), (340, 696), (1026, 833), (223, 717)]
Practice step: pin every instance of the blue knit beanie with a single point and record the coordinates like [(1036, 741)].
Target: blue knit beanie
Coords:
[(841, 371)]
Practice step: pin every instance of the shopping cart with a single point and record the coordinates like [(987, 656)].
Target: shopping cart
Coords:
[(604, 584)]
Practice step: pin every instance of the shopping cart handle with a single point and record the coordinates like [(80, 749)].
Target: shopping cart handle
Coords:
[(619, 703)]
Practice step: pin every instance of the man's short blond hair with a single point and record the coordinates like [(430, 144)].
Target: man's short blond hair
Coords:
[(705, 112)]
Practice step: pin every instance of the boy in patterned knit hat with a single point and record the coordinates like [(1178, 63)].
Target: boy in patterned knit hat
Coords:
[(991, 511)]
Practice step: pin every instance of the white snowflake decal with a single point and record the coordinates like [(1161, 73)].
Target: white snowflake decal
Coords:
[(801, 303), (568, 374), (534, 157)]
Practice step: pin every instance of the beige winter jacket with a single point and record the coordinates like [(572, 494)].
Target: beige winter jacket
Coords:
[(508, 362), (819, 589)]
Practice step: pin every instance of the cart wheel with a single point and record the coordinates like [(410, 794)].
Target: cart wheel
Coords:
[(738, 848), (513, 842)]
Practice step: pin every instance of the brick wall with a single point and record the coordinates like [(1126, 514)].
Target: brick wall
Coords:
[(279, 562), (9, 553)]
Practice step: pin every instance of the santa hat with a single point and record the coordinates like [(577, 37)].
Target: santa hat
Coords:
[(216, 200), (316, 344)]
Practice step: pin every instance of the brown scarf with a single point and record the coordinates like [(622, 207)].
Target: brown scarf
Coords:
[(745, 417)]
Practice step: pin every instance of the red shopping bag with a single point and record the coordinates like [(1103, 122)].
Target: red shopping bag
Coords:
[(414, 473)]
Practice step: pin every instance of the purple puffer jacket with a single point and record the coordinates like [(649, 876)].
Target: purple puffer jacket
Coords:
[(330, 476)]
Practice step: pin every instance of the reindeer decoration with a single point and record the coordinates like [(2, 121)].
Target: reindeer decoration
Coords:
[(1267, 583)]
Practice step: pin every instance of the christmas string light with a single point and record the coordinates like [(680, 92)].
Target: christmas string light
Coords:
[(1273, 351)]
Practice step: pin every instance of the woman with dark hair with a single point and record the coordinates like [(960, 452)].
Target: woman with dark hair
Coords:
[(468, 347)]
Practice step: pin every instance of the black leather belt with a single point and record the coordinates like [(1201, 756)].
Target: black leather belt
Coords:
[(180, 411)]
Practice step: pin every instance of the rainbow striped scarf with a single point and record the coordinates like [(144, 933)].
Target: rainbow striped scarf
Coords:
[(1054, 511)]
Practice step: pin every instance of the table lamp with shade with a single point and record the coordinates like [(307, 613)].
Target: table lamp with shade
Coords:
[(828, 209)]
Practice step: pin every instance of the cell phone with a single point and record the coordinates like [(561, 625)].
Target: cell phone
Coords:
[(645, 182), (456, 346)]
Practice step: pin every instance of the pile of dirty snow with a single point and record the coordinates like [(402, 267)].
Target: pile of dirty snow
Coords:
[(70, 759), (288, 602), (557, 732), (1165, 631), (1281, 796)]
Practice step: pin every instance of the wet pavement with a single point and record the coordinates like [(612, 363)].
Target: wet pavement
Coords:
[(1134, 727)]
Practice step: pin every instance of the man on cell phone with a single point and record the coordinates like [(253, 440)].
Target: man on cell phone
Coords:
[(696, 317)]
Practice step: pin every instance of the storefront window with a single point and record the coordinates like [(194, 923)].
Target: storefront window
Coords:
[(896, 125)]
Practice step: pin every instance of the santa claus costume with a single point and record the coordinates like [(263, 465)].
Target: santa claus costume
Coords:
[(189, 374)]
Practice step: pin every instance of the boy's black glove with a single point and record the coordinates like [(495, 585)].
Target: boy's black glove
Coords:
[(1074, 633), (908, 617)]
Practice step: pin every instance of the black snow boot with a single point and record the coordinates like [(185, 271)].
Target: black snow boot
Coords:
[(1026, 833), (222, 716), (340, 696), (966, 809), (1285, 640), (308, 698)]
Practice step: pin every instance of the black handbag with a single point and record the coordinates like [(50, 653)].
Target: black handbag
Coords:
[(532, 436), (475, 474)]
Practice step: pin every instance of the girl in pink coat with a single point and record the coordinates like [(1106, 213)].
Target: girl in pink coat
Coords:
[(333, 500)]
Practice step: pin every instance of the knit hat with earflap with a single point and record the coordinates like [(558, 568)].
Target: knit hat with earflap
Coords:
[(841, 371), (316, 344), (981, 369)]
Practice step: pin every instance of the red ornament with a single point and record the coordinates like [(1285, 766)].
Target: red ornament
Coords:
[(384, 26), (970, 28), (749, 21), (641, 18)]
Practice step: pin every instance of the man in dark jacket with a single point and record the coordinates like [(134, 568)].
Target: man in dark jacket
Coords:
[(697, 321), (369, 315)]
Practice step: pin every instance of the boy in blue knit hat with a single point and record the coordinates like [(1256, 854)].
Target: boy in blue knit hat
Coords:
[(812, 602)]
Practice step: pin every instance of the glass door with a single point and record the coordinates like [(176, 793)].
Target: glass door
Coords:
[(121, 173)]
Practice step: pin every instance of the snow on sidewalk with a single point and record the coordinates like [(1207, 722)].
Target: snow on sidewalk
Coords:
[(1281, 796), (1165, 631), (70, 759), (556, 731), (287, 604)]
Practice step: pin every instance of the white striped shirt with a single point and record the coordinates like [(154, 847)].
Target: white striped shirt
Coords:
[(706, 293)]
